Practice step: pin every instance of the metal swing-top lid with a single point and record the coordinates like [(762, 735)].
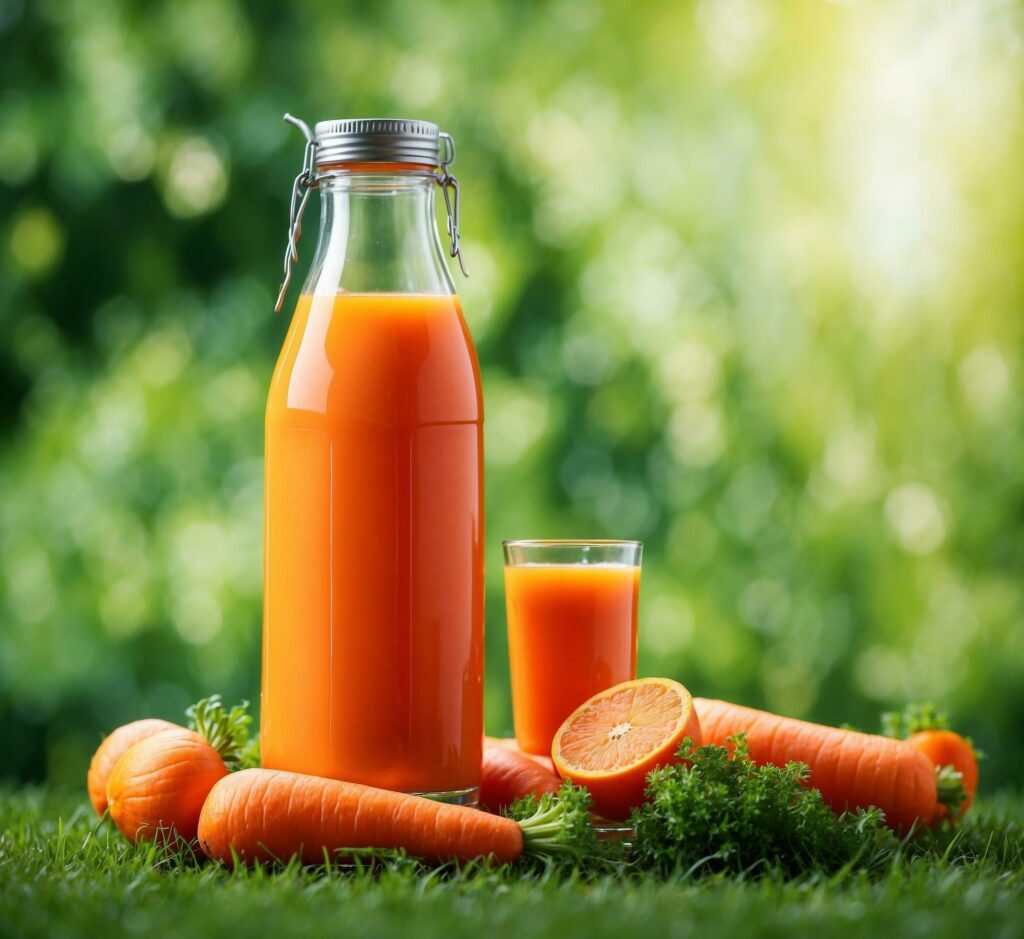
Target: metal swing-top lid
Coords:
[(380, 140), (370, 140)]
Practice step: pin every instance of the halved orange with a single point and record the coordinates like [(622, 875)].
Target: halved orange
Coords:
[(611, 742)]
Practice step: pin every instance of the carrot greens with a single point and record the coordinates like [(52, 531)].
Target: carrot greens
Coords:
[(917, 717), (227, 731), (721, 812), (557, 827), (913, 718)]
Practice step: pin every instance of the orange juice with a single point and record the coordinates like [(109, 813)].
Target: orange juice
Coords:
[(571, 633), (373, 606)]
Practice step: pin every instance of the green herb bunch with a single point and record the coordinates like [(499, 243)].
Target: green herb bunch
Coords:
[(720, 812)]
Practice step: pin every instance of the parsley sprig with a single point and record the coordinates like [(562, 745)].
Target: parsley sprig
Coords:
[(721, 812)]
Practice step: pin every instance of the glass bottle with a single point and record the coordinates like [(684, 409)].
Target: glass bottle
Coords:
[(373, 633)]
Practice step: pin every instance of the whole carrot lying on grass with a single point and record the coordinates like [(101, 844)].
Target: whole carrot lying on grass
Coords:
[(508, 775), (268, 815), (851, 770)]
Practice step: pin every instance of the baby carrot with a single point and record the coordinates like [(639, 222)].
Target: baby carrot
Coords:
[(509, 775), (263, 815), (851, 770)]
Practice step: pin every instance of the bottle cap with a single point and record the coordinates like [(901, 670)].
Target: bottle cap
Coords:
[(377, 140)]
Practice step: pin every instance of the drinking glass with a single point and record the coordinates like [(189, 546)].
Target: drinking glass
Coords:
[(572, 628)]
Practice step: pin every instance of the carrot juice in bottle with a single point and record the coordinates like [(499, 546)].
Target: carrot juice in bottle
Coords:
[(373, 632)]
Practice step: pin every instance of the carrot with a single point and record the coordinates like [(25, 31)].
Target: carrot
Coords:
[(264, 815), (955, 760), (113, 747), (510, 743), (944, 749), (509, 775), (851, 770), (157, 788)]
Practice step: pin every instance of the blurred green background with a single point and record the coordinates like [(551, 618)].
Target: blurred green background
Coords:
[(747, 283)]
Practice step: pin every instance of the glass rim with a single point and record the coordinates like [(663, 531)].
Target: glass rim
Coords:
[(570, 543)]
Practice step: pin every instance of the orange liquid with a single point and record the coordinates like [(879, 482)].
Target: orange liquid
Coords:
[(373, 584), (571, 634)]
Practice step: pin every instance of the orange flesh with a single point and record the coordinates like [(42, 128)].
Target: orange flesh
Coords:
[(622, 728), (373, 581), (571, 633)]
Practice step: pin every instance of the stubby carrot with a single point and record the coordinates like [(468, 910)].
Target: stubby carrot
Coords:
[(510, 743), (113, 747), (927, 729), (266, 815), (945, 749), (157, 789), (508, 775), (851, 769)]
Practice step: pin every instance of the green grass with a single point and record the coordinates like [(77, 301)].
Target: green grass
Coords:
[(64, 874)]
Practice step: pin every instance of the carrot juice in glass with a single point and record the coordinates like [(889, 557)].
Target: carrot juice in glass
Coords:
[(572, 628), (373, 633)]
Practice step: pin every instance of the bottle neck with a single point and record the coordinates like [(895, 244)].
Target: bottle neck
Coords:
[(378, 233)]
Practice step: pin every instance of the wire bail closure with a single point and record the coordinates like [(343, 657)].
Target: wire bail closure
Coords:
[(303, 185), (450, 188), (307, 181)]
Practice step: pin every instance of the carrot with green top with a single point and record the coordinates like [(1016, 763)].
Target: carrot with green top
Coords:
[(273, 815), (928, 730), (851, 770)]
